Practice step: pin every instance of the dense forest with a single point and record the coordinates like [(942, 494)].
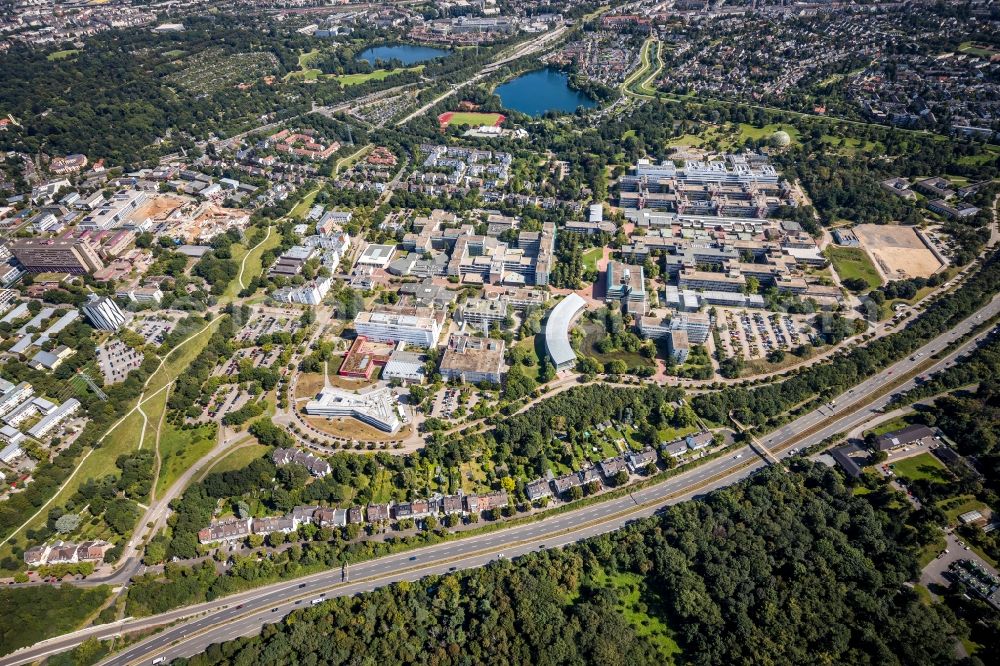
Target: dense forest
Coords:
[(785, 568)]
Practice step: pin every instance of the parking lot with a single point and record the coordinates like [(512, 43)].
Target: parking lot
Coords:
[(116, 360), (268, 321), (152, 329), (256, 355), (753, 334)]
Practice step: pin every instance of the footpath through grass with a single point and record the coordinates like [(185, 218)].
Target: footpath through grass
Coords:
[(236, 459), (122, 439), (179, 450)]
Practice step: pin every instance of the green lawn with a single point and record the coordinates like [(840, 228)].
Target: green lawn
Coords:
[(375, 75), (985, 155), (238, 458), (924, 594), (309, 74), (535, 344), (765, 132), (635, 603), (178, 361), (853, 262), (673, 434), (977, 49), (924, 466), (954, 507), (893, 424), (304, 204), (473, 118), (591, 257), (61, 55), (849, 145), (306, 58), (179, 449), (100, 463), (173, 54), (382, 487), (254, 265), (122, 439), (930, 551)]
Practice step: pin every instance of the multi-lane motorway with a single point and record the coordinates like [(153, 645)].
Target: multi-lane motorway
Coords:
[(193, 628)]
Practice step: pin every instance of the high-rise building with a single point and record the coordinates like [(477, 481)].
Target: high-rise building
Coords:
[(103, 313), (56, 255)]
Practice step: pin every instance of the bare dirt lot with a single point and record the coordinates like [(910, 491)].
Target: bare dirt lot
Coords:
[(158, 207), (897, 251)]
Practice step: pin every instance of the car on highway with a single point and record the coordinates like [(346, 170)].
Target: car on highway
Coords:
[(413, 558), (302, 585), (317, 600)]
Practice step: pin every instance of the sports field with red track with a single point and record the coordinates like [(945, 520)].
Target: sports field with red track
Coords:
[(472, 118)]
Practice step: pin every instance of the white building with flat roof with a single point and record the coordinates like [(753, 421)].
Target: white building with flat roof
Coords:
[(419, 328), (376, 256), (377, 408)]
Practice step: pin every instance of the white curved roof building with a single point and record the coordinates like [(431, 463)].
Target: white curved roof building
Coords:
[(557, 331)]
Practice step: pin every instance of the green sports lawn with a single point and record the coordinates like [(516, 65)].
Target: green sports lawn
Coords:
[(471, 118), (924, 466)]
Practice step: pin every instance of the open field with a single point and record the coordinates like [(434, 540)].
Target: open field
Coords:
[(852, 262), (61, 55), (729, 137), (591, 257), (978, 49), (897, 250), (308, 384), (470, 118), (635, 601), (250, 260), (893, 424), (238, 458), (765, 132), (924, 466), (956, 506), (125, 438), (375, 75), (180, 449)]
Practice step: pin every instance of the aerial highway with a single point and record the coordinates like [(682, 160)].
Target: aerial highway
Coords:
[(190, 630)]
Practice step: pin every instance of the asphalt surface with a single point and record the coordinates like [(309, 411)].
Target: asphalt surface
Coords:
[(197, 627)]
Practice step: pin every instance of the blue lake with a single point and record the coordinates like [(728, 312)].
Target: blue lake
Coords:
[(543, 90), (408, 54)]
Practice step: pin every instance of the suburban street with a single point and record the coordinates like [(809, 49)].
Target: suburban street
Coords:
[(203, 624)]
